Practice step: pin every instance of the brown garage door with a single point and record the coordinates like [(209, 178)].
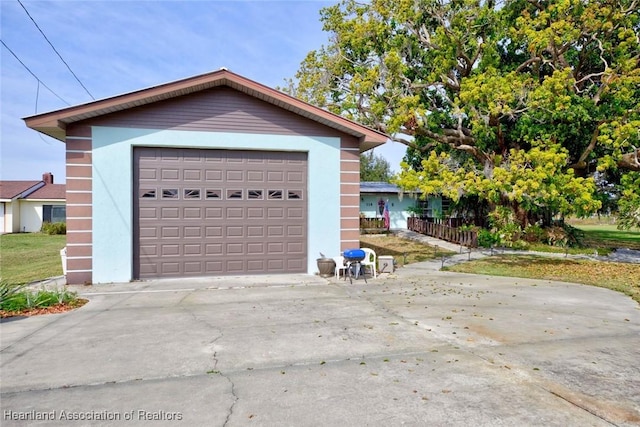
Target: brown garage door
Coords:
[(219, 212)]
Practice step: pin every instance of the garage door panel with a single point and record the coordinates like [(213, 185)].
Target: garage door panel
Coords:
[(275, 265), (255, 231), (148, 174), (170, 213), (192, 175), (295, 230), (148, 232), (148, 269), (213, 175), (275, 231), (192, 213), (193, 250), (255, 176), (295, 213), (213, 213), (235, 249), (256, 248), (170, 267), (275, 177), (193, 232), (234, 213), (193, 268), (255, 266), (235, 231), (213, 231), (275, 213), (255, 213), (212, 249), (149, 250), (170, 232), (294, 264), (170, 174), (149, 213), (214, 267), (295, 177), (235, 266), (295, 248), (216, 212)]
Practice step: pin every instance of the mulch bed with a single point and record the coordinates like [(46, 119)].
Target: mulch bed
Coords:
[(54, 309)]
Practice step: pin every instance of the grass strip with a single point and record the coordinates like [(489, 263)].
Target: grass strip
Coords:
[(621, 277)]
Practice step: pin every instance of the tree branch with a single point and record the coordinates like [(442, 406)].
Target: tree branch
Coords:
[(581, 164), (630, 161)]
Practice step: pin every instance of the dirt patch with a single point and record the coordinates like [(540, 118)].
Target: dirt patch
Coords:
[(404, 251)]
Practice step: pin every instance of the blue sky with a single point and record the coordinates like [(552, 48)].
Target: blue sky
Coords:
[(115, 47)]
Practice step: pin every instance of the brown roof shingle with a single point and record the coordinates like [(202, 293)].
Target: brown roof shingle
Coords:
[(49, 192), (11, 189)]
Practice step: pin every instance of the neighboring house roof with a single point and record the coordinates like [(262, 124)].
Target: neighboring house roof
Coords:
[(13, 189), (381, 187), (44, 189), (49, 192), (55, 122)]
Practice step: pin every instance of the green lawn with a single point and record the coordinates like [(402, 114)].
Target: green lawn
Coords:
[(616, 276), (608, 235), (29, 257)]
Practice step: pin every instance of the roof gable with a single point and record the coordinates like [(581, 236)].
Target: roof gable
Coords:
[(55, 123)]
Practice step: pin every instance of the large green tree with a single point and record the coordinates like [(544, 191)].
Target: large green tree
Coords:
[(517, 103), (374, 168)]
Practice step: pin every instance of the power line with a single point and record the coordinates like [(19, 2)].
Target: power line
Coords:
[(54, 49), (31, 72)]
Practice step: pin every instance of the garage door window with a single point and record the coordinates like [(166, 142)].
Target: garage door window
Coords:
[(192, 194), (214, 194), (254, 194), (294, 195), (234, 194), (275, 194), (148, 194), (171, 193)]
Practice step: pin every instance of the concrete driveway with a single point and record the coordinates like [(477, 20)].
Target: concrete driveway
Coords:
[(419, 347)]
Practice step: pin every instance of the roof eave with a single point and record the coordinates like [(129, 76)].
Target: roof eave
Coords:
[(54, 123)]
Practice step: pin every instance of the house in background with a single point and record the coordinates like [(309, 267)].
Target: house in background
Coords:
[(210, 175), (25, 205), (402, 204)]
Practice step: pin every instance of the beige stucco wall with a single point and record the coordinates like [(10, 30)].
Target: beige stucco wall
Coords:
[(31, 214)]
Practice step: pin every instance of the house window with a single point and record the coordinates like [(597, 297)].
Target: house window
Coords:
[(54, 213)]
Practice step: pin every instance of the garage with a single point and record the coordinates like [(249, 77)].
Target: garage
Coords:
[(203, 212), (211, 175)]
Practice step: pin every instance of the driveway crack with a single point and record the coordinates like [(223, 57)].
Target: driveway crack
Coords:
[(216, 360)]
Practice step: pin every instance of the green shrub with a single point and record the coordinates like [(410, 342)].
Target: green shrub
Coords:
[(52, 228), (8, 290), (486, 238), (564, 236), (24, 299), (533, 233)]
